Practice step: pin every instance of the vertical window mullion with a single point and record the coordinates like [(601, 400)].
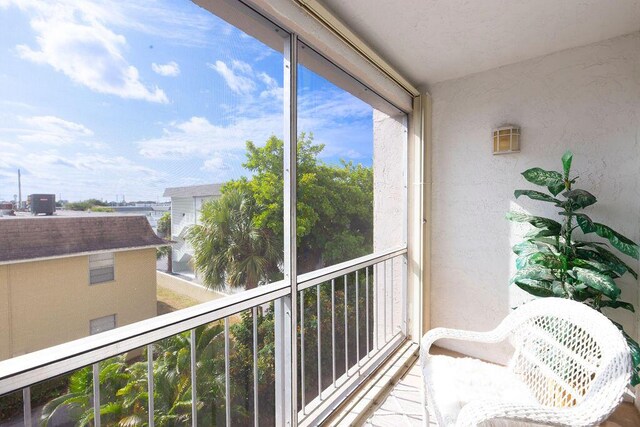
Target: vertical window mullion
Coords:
[(286, 307)]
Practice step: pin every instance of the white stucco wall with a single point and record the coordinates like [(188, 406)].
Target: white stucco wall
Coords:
[(585, 99), (389, 144)]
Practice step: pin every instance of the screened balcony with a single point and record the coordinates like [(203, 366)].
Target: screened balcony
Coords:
[(363, 136)]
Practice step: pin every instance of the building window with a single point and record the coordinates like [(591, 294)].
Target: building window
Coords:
[(102, 324), (101, 268)]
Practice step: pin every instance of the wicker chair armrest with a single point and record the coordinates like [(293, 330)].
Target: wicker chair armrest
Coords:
[(494, 336), (476, 412)]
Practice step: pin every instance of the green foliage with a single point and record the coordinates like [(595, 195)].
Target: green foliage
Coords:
[(334, 208), (229, 245), (101, 209), (241, 236), (84, 205), (124, 389), (164, 225), (552, 263), (164, 230)]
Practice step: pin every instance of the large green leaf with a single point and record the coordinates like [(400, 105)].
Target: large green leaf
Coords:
[(585, 223), (535, 195), (618, 304), (536, 221), (536, 233), (524, 248), (578, 199), (538, 258), (601, 254), (537, 288), (558, 290), (592, 265), (567, 157), (550, 179), (545, 260), (612, 258), (617, 240), (597, 281), (534, 272)]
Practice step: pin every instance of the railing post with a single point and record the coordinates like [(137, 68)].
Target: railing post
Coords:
[(283, 370)]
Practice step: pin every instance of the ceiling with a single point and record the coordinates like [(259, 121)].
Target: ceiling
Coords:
[(429, 41)]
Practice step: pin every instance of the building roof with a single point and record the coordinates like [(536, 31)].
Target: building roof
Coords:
[(24, 239), (193, 191)]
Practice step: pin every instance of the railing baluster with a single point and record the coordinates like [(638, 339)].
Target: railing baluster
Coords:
[(96, 394), (366, 283), (333, 329), (194, 380), (376, 302), (346, 330), (404, 300), (385, 300), (302, 361), (256, 416), (227, 379), (319, 321), (392, 297), (357, 319), (26, 406), (150, 385)]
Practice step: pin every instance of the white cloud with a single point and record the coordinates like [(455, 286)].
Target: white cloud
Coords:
[(197, 137), (171, 69), (50, 130), (79, 175), (72, 38), (217, 163), (240, 84), (241, 66), (267, 80)]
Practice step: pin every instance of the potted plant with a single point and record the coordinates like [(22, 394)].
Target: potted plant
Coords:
[(554, 262)]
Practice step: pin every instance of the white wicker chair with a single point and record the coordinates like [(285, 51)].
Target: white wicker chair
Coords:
[(570, 367)]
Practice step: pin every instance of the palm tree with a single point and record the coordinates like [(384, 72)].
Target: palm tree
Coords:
[(124, 385), (230, 249)]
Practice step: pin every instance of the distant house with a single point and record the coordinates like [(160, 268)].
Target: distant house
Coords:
[(68, 277), (186, 204)]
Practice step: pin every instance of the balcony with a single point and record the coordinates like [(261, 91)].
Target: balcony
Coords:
[(423, 89)]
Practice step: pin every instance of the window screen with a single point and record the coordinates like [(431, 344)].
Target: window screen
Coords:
[(102, 324)]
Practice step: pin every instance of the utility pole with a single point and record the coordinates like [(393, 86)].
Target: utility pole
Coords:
[(19, 191)]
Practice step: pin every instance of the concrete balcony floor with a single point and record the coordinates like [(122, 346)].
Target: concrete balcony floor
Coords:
[(402, 406)]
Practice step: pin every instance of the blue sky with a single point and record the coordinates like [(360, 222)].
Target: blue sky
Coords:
[(105, 98)]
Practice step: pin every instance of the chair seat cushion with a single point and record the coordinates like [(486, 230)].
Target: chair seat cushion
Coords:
[(458, 381)]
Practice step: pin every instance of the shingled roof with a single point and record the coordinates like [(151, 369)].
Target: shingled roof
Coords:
[(23, 239)]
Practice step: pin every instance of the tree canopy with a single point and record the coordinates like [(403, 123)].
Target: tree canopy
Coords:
[(334, 207)]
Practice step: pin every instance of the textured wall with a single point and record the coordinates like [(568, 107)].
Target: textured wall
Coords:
[(51, 302), (586, 99), (389, 141)]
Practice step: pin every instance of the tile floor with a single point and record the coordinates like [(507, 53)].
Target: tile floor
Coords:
[(403, 406)]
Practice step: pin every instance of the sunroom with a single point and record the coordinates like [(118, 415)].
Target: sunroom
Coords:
[(367, 155)]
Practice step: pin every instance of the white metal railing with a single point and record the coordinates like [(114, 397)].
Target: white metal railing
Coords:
[(366, 298), (363, 322)]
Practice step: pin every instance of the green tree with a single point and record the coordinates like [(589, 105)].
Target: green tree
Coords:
[(124, 388), (230, 247), (335, 202), (164, 230)]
